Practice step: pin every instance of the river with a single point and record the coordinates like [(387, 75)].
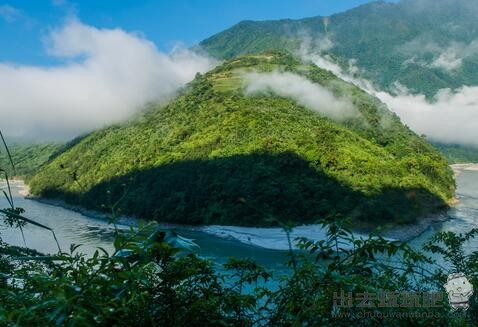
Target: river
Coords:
[(266, 246)]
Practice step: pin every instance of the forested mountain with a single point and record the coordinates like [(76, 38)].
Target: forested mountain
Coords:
[(425, 45), (457, 153), (28, 158), (218, 154)]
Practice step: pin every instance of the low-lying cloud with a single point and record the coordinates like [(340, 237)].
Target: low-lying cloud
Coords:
[(451, 58), (303, 91), (106, 77), (448, 58), (349, 74), (452, 116)]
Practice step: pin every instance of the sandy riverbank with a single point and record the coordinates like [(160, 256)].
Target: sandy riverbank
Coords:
[(458, 168)]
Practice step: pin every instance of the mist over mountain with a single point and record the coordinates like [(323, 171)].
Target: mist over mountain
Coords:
[(104, 76), (259, 140), (281, 173), (424, 45), (418, 56)]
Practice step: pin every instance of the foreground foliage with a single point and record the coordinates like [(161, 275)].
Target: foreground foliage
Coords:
[(153, 278)]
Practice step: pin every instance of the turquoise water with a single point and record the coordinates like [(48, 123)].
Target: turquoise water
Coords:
[(464, 216), (72, 227)]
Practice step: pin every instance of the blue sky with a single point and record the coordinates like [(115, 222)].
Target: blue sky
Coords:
[(24, 24), (71, 67)]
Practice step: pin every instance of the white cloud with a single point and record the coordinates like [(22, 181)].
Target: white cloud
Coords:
[(448, 58), (303, 91), (108, 75), (315, 50), (350, 74), (452, 57), (452, 117)]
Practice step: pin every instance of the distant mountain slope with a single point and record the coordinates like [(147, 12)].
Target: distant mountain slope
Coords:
[(28, 158), (215, 155), (425, 45), (456, 153)]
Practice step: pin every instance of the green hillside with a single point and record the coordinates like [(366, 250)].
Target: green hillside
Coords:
[(456, 153), (214, 155), (28, 158), (391, 42)]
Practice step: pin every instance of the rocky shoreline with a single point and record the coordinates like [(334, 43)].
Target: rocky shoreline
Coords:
[(401, 232), (410, 231)]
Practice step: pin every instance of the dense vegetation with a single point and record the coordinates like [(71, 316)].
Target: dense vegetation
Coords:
[(28, 158), (216, 155), (456, 153), (391, 42), (154, 278)]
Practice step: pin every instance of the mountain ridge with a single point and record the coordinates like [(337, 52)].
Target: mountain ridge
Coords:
[(215, 155), (389, 42)]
